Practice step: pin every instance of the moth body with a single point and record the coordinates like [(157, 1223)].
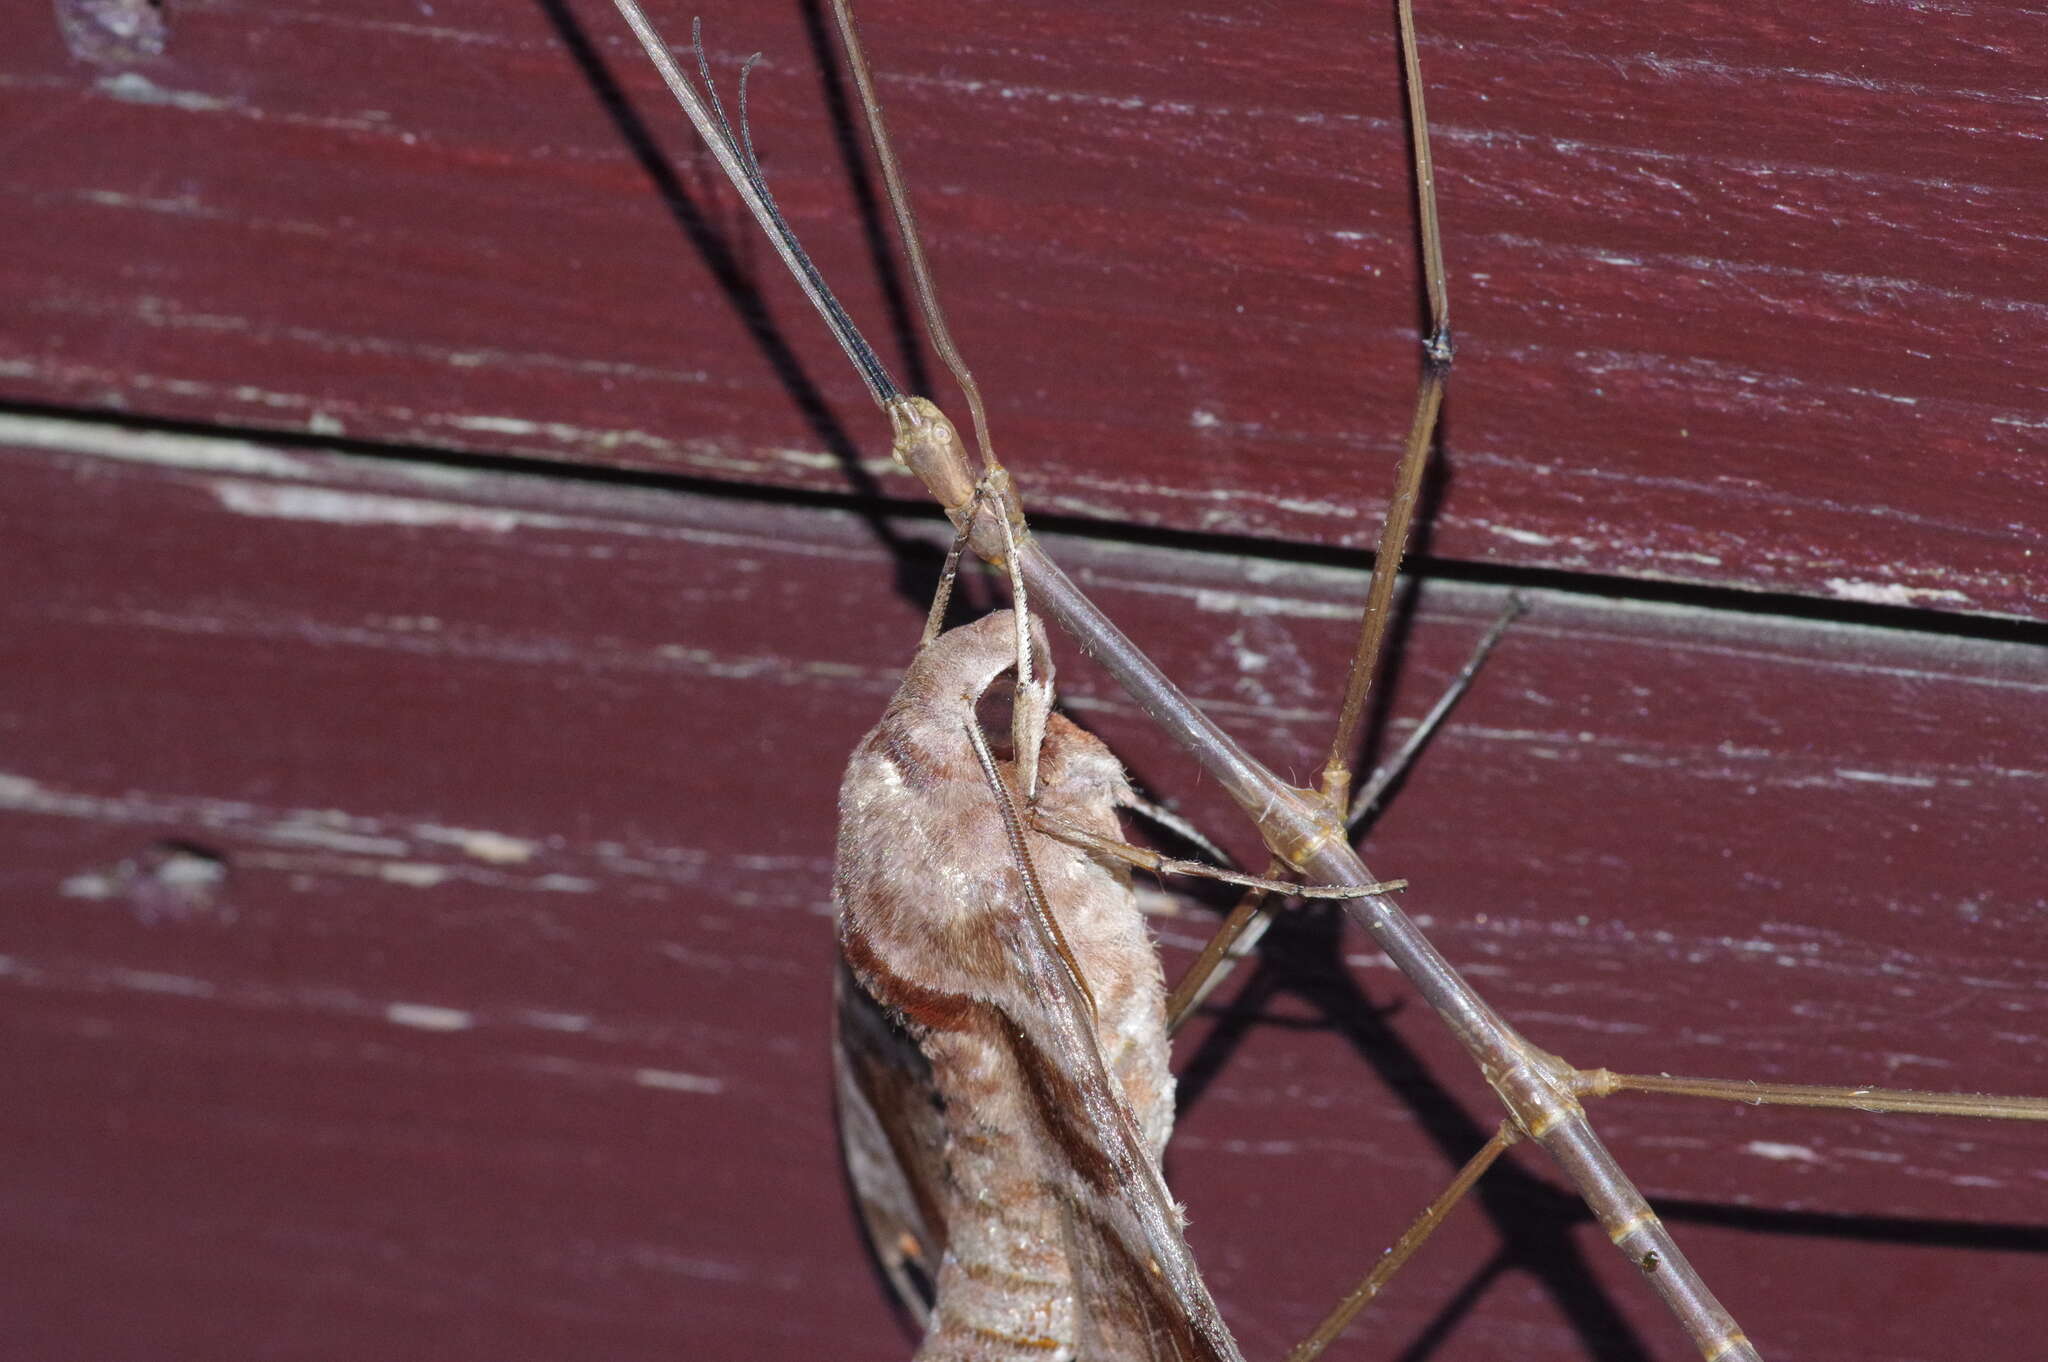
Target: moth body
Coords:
[(1003, 1077)]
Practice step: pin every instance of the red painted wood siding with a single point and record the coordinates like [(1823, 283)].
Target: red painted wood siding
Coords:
[(416, 871), (1748, 296)]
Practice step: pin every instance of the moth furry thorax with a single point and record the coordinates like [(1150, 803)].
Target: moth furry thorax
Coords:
[(1003, 1080)]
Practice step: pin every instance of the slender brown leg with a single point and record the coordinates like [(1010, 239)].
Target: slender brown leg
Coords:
[(1390, 1262), (1246, 925), (1234, 940), (1604, 1082), (1429, 396)]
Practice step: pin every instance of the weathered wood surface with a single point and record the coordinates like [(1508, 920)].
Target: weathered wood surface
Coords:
[(503, 1035), (1747, 296)]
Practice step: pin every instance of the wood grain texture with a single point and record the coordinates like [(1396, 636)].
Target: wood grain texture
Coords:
[(504, 1034), (1747, 295)]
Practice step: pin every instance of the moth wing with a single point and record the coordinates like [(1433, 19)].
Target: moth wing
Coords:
[(893, 1137), (1140, 1295)]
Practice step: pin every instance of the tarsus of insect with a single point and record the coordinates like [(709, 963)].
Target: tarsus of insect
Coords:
[(1305, 829)]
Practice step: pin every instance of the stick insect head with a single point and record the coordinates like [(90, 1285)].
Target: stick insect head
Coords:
[(928, 444)]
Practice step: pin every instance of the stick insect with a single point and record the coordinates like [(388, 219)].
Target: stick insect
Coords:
[(1543, 1095)]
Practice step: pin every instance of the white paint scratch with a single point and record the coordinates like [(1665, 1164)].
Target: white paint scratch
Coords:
[(492, 848), (1316, 506), (334, 507), (414, 874), (1886, 397), (671, 1081), (1872, 1155), (1263, 607), (300, 829), (427, 1017), (151, 981), (1513, 535), (132, 87), (1885, 778), (556, 1021)]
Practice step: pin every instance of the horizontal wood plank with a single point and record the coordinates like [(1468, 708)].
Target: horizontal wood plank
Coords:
[(419, 934), (1746, 295)]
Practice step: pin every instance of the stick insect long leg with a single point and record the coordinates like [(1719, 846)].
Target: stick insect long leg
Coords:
[(1246, 925), (1249, 919), (1305, 829), (1541, 1092)]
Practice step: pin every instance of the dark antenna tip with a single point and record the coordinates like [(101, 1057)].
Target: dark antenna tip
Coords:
[(735, 156)]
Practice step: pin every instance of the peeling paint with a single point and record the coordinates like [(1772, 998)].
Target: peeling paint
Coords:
[(207, 453), (584, 437), (179, 205), (1892, 593), (112, 32)]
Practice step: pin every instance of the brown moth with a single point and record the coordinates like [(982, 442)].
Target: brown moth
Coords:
[(1003, 1082)]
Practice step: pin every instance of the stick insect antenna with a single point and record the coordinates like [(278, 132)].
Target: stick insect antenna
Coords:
[(907, 228), (1429, 396), (735, 156)]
